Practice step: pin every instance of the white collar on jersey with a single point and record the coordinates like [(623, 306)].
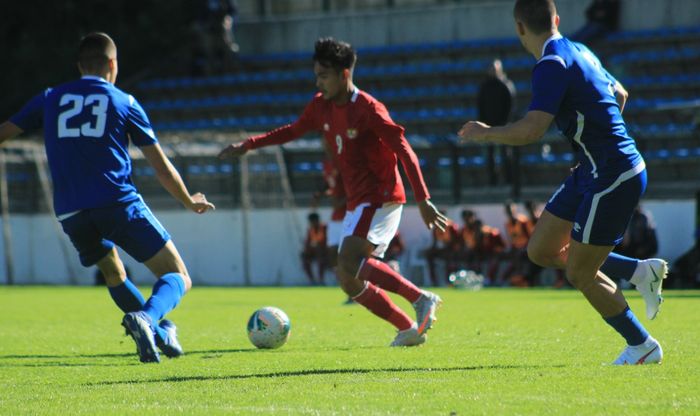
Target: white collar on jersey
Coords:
[(551, 38), (355, 93), (95, 77)]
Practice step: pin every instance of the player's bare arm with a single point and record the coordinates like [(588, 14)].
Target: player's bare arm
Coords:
[(621, 96), (169, 177), (431, 215), (528, 129), (9, 130), (232, 150)]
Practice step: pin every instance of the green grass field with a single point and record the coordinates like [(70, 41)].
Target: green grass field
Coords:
[(494, 352)]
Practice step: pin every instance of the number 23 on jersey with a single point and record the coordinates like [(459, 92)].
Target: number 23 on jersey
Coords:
[(95, 103)]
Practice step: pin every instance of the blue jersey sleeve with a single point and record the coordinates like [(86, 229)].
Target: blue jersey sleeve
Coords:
[(549, 84), (31, 116), (138, 125)]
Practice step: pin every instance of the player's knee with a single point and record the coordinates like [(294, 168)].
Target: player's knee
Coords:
[(579, 279), (538, 256)]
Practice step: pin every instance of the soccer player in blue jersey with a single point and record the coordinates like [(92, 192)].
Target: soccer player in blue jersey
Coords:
[(88, 124), (587, 216)]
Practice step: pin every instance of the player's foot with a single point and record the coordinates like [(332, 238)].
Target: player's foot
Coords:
[(409, 337), (650, 282), (138, 326), (425, 307), (649, 352), (170, 346)]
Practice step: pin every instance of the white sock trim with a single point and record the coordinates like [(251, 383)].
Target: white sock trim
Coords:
[(364, 288)]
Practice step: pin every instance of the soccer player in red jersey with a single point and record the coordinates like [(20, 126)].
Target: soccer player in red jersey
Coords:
[(366, 145)]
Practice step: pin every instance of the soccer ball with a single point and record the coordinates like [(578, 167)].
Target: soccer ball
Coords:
[(268, 327), (466, 279)]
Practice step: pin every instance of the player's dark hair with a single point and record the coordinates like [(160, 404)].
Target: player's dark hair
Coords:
[(313, 217), (336, 54), (95, 51), (535, 14)]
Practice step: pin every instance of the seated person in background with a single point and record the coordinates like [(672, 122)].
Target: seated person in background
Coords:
[(489, 247), (467, 233), (393, 252), (685, 272), (640, 239), (518, 232), (315, 249), (446, 247)]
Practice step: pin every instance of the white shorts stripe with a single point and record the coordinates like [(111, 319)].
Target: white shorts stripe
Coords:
[(596, 198)]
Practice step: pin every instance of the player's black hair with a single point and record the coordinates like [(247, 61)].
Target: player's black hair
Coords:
[(336, 54), (313, 217), (95, 50), (467, 213), (535, 14)]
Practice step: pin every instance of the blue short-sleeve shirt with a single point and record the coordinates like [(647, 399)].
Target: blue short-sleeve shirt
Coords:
[(570, 83), (88, 124)]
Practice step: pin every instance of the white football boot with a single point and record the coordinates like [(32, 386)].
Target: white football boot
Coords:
[(649, 352), (425, 308), (648, 279), (409, 337)]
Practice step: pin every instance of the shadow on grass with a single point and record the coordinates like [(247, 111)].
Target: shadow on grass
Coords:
[(112, 355), (65, 364), (303, 373)]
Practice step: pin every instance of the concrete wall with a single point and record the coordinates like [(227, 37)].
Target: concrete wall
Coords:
[(478, 20), (212, 245)]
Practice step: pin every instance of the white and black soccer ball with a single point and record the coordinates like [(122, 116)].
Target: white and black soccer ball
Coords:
[(269, 327)]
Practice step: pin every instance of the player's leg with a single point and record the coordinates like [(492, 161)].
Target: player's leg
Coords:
[(602, 293), (135, 229), (549, 244), (124, 293), (378, 226), (430, 256), (603, 215), (321, 258), (93, 249), (173, 281), (306, 258), (354, 250)]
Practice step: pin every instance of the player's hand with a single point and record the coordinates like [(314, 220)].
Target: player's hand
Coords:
[(432, 216), (473, 131), (199, 204), (233, 150)]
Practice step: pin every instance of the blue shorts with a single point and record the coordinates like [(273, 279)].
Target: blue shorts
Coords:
[(129, 225), (600, 208)]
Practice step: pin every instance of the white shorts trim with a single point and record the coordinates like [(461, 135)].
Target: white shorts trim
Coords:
[(335, 230), (377, 225)]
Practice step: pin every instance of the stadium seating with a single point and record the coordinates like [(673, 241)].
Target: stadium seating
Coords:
[(430, 89)]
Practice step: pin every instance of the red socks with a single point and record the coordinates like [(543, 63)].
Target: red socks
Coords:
[(379, 273), (378, 302)]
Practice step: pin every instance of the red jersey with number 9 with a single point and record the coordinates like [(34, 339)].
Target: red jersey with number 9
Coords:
[(366, 144)]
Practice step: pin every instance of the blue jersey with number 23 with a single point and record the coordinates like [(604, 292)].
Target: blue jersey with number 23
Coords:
[(88, 124)]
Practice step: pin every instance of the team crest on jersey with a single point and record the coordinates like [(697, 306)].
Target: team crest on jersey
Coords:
[(352, 133), (326, 127)]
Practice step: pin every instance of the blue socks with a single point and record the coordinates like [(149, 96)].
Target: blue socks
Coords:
[(127, 297), (627, 325), (619, 267), (166, 295)]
